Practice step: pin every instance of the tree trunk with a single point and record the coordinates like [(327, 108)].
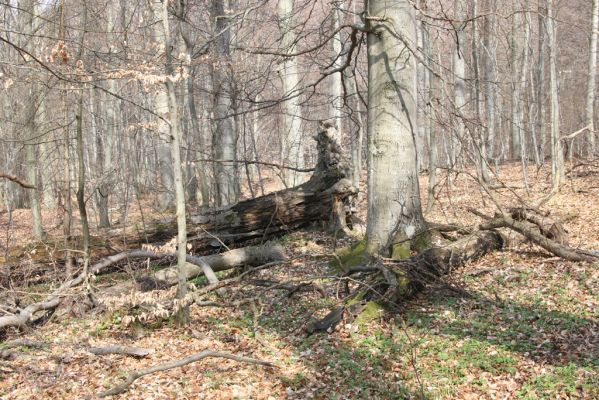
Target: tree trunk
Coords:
[(29, 26), (515, 61), (224, 139), (557, 155), (459, 71), (540, 84), (394, 212), (490, 60), (336, 107), (175, 144), (590, 107), (291, 141)]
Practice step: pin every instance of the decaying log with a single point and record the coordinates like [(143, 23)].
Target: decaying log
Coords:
[(532, 232), (413, 274), (176, 364), (248, 256), (548, 227), (119, 349), (262, 217)]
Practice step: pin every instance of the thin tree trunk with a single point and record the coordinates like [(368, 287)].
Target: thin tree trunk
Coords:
[(292, 143), (200, 169), (590, 106), (480, 150), (29, 25), (224, 139), (175, 144), (459, 71), (557, 155), (80, 156), (540, 83), (490, 73), (515, 62), (336, 107)]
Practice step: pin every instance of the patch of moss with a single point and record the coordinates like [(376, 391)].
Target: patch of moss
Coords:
[(371, 311), (401, 251), (347, 257), (403, 247)]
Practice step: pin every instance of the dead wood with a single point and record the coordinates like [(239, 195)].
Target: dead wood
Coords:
[(261, 217), (532, 232), (132, 377), (403, 279), (250, 256), (548, 227), (120, 349)]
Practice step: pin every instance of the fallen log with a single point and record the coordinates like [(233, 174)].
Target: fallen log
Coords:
[(392, 282), (261, 217), (249, 256), (532, 232), (547, 226), (138, 352), (412, 275)]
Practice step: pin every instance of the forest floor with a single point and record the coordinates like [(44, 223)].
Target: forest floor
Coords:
[(518, 323)]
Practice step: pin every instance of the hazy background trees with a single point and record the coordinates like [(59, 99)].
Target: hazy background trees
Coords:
[(247, 82)]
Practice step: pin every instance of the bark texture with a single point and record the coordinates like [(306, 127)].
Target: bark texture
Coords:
[(394, 211)]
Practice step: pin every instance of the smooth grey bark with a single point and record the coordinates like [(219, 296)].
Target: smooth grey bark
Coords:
[(522, 88), (515, 63), (105, 143), (336, 106), (540, 85), (357, 124), (224, 135), (423, 94), (29, 24), (459, 72), (592, 79), (394, 211), (557, 155), (164, 168), (357, 136), (32, 167), (432, 133), (203, 197), (479, 134), (46, 159), (490, 74), (175, 147), (292, 145)]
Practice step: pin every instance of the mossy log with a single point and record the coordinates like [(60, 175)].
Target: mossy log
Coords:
[(412, 275)]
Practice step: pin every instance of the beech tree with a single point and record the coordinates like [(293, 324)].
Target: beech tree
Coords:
[(394, 210)]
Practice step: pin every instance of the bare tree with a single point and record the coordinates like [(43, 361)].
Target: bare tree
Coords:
[(590, 106), (291, 141), (394, 211)]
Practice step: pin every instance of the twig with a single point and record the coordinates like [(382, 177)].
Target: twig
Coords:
[(179, 363)]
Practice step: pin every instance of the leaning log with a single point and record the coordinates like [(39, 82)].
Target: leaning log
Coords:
[(262, 217), (412, 275)]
